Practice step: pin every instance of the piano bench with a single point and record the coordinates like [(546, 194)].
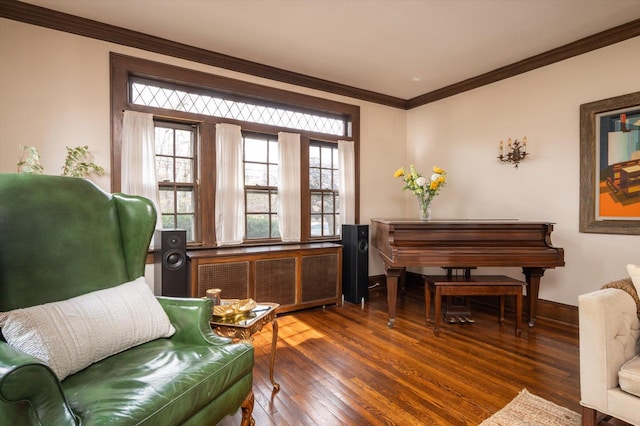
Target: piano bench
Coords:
[(480, 285)]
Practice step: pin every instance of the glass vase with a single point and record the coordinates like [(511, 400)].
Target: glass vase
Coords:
[(424, 209)]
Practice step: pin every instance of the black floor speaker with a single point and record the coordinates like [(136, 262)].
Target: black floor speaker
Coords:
[(355, 262), (171, 262)]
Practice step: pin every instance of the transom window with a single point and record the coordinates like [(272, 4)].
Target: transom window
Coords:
[(152, 94), (260, 157), (176, 173), (324, 187)]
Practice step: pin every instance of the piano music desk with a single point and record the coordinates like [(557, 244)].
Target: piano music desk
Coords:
[(480, 285)]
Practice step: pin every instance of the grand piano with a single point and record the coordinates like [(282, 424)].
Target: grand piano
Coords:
[(465, 244)]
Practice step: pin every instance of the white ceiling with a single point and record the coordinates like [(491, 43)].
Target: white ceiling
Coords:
[(402, 48)]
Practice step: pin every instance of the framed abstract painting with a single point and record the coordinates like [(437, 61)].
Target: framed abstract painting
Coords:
[(610, 165)]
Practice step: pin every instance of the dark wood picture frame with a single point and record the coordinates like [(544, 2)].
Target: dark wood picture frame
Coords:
[(589, 162)]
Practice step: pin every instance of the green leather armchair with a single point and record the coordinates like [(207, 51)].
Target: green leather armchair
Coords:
[(64, 237)]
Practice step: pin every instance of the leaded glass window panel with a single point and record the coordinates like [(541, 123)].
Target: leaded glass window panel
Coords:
[(148, 93)]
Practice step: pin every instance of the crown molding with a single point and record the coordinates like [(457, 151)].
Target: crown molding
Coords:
[(40, 16), (52, 19), (602, 39)]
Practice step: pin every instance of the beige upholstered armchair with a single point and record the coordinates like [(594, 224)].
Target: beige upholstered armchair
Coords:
[(609, 360)]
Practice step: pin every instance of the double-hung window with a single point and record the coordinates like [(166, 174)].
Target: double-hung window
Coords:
[(323, 189), (176, 171), (260, 160)]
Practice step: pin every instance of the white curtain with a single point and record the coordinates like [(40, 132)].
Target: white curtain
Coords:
[(139, 158), (229, 185), (347, 192), (289, 220)]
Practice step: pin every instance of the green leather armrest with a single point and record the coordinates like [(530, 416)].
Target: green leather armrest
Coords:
[(190, 317), (30, 392)]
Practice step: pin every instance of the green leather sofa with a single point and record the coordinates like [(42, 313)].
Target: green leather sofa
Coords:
[(64, 237)]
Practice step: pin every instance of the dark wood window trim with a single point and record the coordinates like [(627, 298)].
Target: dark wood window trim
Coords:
[(122, 67)]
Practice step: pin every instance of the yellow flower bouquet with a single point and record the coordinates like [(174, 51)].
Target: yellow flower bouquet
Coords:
[(423, 188)]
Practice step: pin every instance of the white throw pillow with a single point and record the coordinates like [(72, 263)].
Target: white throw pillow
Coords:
[(72, 334), (634, 273)]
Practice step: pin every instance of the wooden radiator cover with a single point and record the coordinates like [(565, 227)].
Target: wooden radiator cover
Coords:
[(318, 277), (232, 278), (275, 280), (295, 276)]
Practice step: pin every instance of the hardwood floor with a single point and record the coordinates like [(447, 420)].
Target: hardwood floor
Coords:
[(344, 366)]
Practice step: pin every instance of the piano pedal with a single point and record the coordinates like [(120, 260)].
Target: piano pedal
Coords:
[(454, 319), (459, 319)]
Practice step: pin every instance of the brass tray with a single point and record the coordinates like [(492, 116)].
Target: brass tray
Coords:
[(233, 307), (234, 318)]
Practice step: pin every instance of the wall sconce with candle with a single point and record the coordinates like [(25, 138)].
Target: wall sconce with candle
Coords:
[(516, 152)]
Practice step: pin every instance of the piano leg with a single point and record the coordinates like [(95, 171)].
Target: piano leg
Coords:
[(533, 276), (427, 300), (393, 276)]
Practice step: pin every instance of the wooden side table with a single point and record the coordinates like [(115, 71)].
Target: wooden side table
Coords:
[(481, 285), (244, 326)]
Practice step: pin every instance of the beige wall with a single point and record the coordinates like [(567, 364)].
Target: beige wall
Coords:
[(461, 134), (54, 91)]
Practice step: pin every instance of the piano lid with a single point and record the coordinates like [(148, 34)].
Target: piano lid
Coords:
[(460, 221), (465, 242)]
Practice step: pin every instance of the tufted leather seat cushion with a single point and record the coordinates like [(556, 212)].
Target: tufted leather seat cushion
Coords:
[(171, 382)]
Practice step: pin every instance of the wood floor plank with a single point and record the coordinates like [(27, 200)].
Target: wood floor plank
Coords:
[(344, 366)]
